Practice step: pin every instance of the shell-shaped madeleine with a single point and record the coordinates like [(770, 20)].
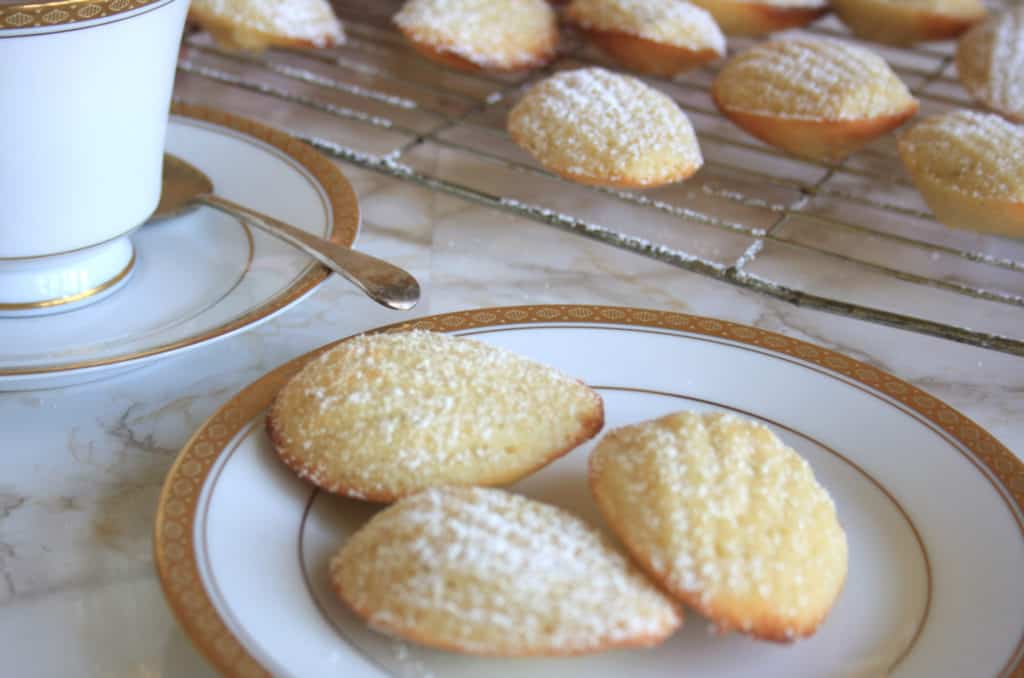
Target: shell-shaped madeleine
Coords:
[(990, 63), (660, 37), (385, 415), (898, 22), (498, 35), (760, 17), (598, 127), (969, 167), (725, 517), (816, 98), (493, 573), (247, 25)]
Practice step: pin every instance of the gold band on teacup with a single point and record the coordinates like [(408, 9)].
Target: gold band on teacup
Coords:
[(44, 14), (72, 298)]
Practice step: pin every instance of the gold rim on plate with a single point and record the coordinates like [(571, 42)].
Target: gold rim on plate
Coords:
[(174, 547), (341, 198)]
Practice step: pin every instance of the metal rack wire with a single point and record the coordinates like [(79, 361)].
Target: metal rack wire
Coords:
[(751, 218)]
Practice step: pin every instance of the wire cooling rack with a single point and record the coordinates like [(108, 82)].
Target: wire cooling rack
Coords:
[(852, 238)]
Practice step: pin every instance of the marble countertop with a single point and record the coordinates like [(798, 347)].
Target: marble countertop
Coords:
[(81, 467)]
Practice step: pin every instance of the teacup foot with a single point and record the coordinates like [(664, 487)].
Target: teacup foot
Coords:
[(64, 282)]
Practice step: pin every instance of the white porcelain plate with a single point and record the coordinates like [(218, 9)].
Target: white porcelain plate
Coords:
[(931, 504), (201, 276)]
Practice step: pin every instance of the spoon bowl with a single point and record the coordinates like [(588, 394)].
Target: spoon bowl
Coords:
[(186, 187), (181, 183)]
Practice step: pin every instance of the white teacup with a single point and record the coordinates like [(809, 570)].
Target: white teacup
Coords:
[(85, 88)]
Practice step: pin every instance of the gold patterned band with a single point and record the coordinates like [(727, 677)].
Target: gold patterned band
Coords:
[(35, 15)]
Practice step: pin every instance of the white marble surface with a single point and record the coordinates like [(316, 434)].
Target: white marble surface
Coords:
[(81, 467)]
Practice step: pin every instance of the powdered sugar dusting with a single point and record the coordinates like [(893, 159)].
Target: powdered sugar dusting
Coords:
[(592, 123), (990, 60), (671, 22), (491, 572), (409, 666), (389, 414), (311, 21), (979, 154), (489, 33), (811, 78), (721, 509)]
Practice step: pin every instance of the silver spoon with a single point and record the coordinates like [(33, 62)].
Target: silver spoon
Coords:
[(185, 186)]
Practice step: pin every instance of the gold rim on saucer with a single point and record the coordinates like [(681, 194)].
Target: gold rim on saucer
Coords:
[(174, 544), (341, 198)]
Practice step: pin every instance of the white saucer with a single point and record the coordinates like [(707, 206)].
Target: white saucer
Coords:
[(202, 276)]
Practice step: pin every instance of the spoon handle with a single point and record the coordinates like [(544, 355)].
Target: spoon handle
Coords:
[(385, 283)]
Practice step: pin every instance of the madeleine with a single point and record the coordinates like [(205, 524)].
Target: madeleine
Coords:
[(816, 98)]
